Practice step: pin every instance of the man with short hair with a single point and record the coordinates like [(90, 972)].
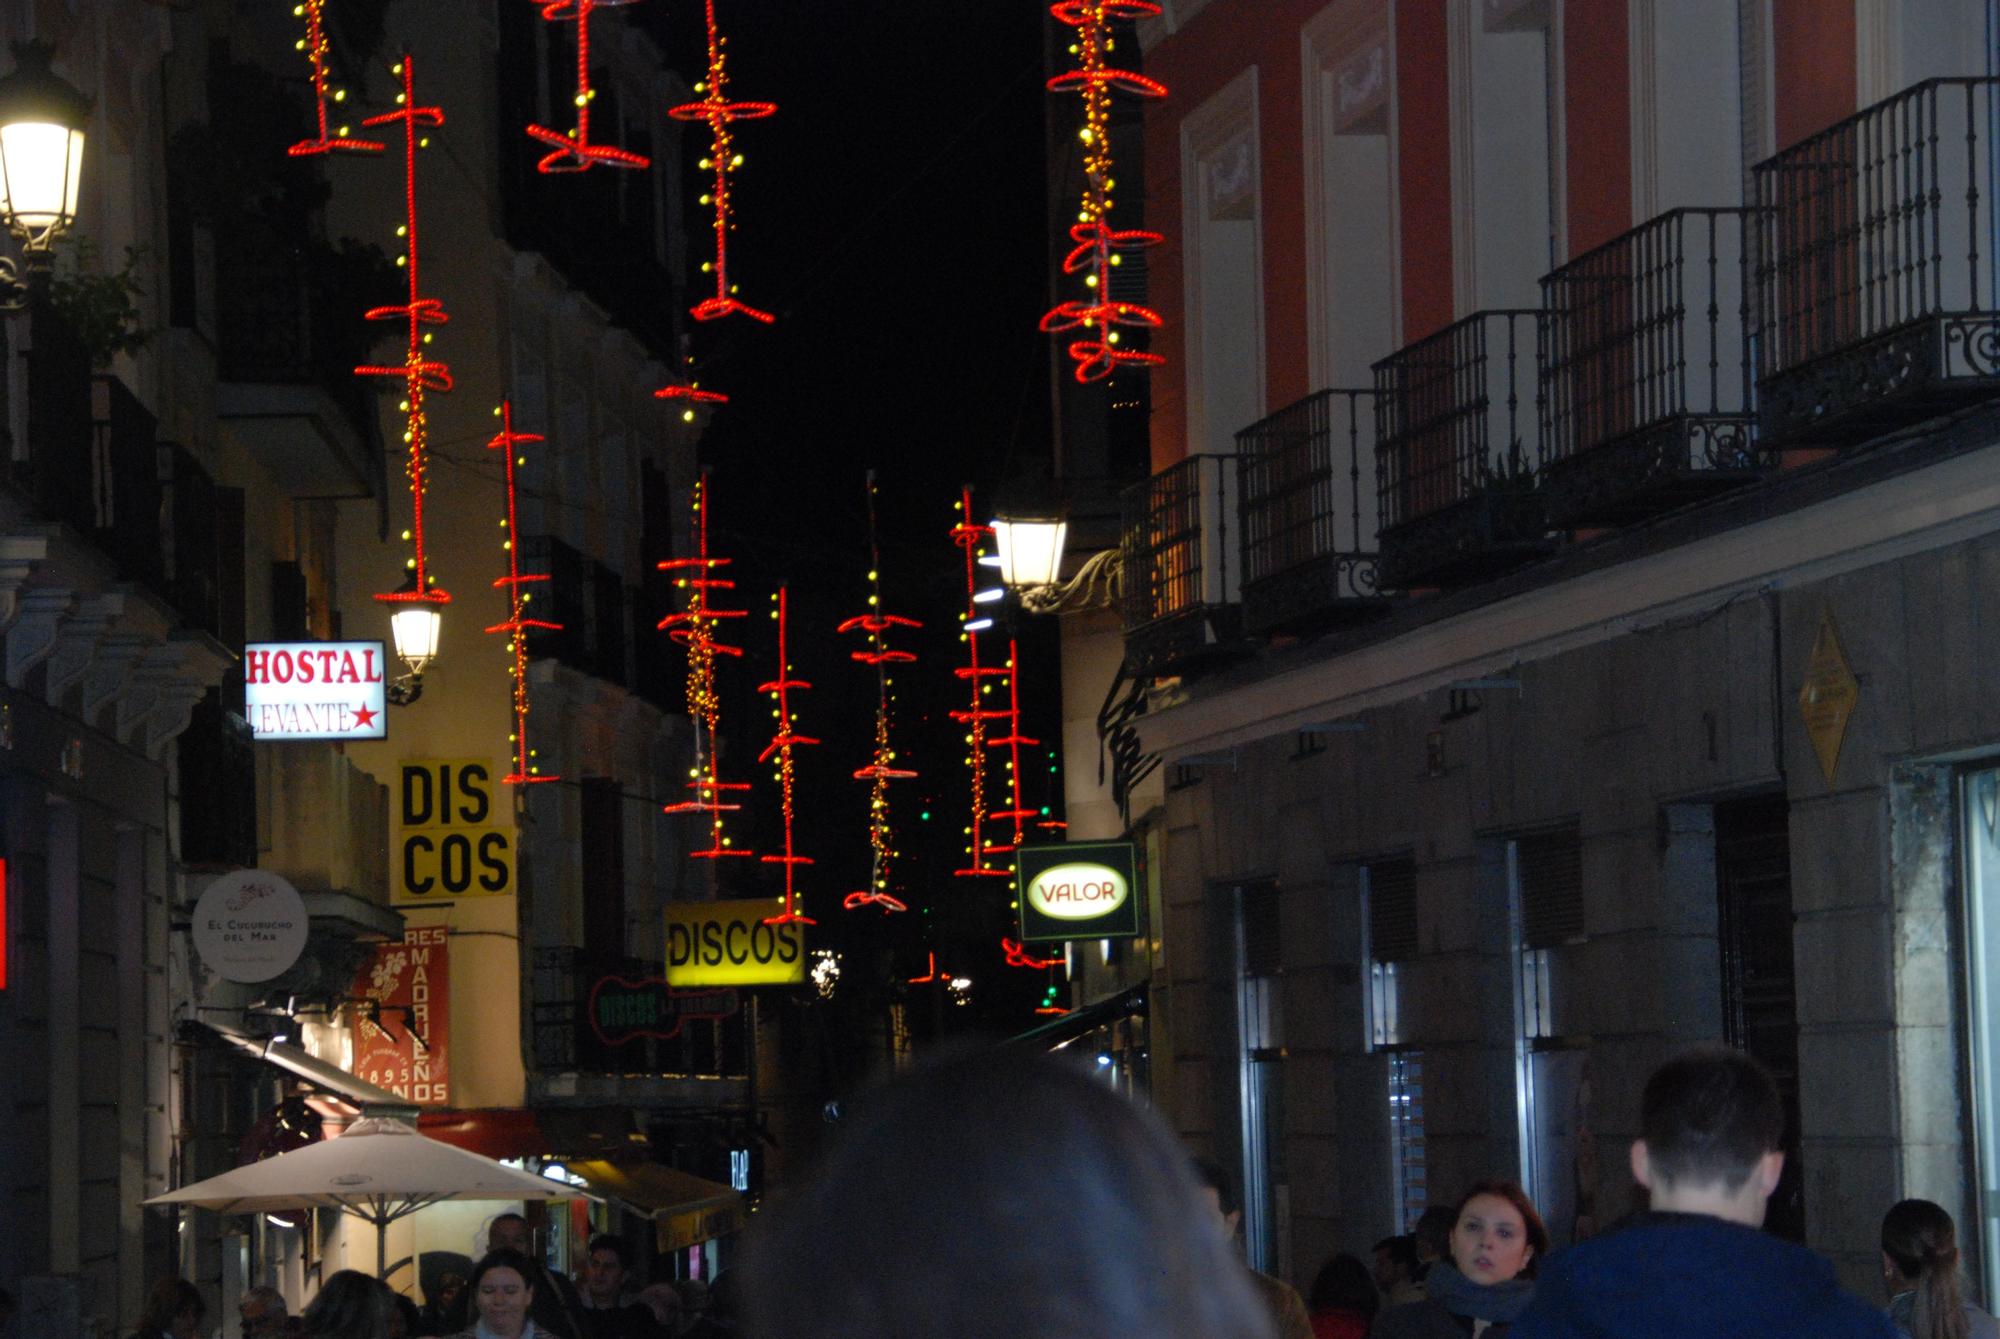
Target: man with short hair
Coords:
[(262, 1310), (555, 1307), (1396, 1271), (1710, 1149), (1218, 1192), (605, 1313)]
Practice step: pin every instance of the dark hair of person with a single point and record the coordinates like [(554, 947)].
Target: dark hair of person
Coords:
[(1531, 1222), (1920, 1238), (1343, 1284), (350, 1305), (498, 1258), (606, 1241), (1433, 1229), (996, 1194), (169, 1299), (413, 1319), (1710, 1115), (1402, 1250), (1208, 1172)]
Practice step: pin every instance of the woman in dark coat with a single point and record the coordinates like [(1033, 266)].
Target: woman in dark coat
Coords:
[(1496, 1240)]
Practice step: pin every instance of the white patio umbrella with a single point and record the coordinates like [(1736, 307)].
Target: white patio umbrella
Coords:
[(379, 1170)]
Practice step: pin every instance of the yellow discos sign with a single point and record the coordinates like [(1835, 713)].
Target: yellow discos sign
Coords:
[(455, 838), (728, 944)]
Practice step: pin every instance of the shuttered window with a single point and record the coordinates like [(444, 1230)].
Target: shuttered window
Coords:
[(1392, 909), (1263, 954), (1551, 873)]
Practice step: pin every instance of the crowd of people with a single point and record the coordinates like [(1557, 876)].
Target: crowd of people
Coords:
[(1006, 1195)]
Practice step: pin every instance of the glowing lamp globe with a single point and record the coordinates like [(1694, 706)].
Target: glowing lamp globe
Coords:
[(415, 628), (41, 147), (1030, 550)]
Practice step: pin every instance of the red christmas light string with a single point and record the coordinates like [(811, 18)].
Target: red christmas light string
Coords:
[(718, 112), (695, 627), (1099, 248), (418, 373), (508, 443), (880, 770), (1012, 742), (782, 743), (314, 44), (1018, 956), (969, 535), (573, 150)]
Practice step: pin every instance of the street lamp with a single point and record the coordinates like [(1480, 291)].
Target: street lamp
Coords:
[(41, 167), (1029, 552), (416, 627)]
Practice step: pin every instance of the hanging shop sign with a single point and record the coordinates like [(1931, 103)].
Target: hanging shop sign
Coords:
[(1078, 890), (402, 1027), (451, 842), (249, 926), (1828, 696), (315, 690), (622, 1010), (734, 944)]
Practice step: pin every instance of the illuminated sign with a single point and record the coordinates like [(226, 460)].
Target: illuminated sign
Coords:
[(729, 944), (402, 1026), (250, 926), (1079, 890), (315, 690), (623, 1010), (448, 844)]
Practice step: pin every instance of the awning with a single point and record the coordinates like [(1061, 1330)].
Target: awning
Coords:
[(538, 1132), (1128, 1003), (685, 1208), (302, 1063)]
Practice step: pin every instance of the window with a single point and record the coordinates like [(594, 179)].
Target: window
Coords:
[(1261, 1028), (1223, 270), (1389, 931)]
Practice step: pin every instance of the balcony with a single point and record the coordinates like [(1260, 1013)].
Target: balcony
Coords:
[(1875, 282), (1309, 558), (324, 822), (1647, 397), (218, 765), (589, 599), (1455, 484), (1179, 594)]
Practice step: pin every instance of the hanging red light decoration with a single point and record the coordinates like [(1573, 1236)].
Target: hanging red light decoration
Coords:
[(1018, 956), (1099, 248), (969, 535), (782, 743), (719, 112), (573, 150), (508, 443), (880, 770), (419, 373), (695, 627), (314, 44), (1012, 742)]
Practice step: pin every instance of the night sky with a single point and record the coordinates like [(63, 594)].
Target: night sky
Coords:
[(893, 215)]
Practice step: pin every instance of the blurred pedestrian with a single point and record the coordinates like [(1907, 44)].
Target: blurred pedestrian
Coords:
[(1432, 1237), (405, 1322), (502, 1298), (605, 1313), (665, 1301), (718, 1319), (1343, 1301), (173, 1311), (1225, 1210), (263, 1312), (1710, 1149), (444, 1309), (998, 1194), (1920, 1267), (1396, 1271), (1486, 1279), (557, 1307), (350, 1305)]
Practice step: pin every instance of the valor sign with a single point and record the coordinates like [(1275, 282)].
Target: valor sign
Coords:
[(450, 845), (314, 690), (1079, 890), (730, 944), (250, 926)]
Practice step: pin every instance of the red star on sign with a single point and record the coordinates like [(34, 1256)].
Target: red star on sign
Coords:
[(364, 716)]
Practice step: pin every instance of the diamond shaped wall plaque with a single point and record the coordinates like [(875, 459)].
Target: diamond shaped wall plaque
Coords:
[(1828, 696)]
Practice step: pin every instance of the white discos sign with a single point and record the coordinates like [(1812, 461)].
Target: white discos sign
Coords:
[(250, 926), (315, 690)]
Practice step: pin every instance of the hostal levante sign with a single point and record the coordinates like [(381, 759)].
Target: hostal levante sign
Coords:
[(1079, 890), (314, 690)]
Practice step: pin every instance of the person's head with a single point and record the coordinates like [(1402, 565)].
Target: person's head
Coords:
[(664, 1301), (983, 1179), (510, 1232), (262, 1310), (450, 1288), (1216, 1189), (1920, 1254), (1496, 1234), (174, 1307), (501, 1293), (604, 1268), (1711, 1136), (1432, 1235), (350, 1305), (405, 1321), (1395, 1262), (1342, 1284)]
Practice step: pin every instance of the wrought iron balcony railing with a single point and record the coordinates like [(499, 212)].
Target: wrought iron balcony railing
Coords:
[(1647, 394), (1455, 479), (1305, 475), (1876, 288), (1180, 598)]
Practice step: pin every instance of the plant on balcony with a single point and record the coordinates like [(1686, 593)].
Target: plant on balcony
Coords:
[(101, 307)]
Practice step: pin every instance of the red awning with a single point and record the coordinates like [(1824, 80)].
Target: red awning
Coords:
[(551, 1132)]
